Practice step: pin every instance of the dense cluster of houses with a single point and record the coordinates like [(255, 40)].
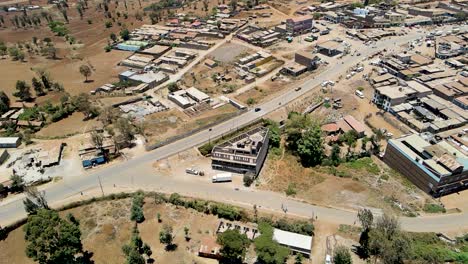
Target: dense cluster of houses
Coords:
[(428, 97), (387, 15)]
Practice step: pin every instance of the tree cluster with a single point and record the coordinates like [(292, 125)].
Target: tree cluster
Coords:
[(304, 137), (136, 250), (166, 237), (268, 250), (383, 239), (136, 213), (233, 246), (52, 239)]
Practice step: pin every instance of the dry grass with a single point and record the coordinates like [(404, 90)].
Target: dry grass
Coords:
[(106, 227)]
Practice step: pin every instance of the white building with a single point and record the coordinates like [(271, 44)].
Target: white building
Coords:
[(295, 242), (9, 142)]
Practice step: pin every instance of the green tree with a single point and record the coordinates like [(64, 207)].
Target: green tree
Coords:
[(34, 201), (366, 218), (248, 179), (233, 246), (52, 239), (387, 242), (274, 133), (310, 146), (349, 138), (295, 125), (341, 255), (137, 208), (17, 183), (83, 104), (172, 87), (38, 86), (166, 237), (134, 250), (4, 102), (23, 91), (250, 101), (113, 37), (335, 155), (125, 128), (16, 54), (186, 233), (85, 70), (268, 250), (125, 34), (3, 48)]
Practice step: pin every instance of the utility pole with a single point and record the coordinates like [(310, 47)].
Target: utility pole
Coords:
[(100, 185)]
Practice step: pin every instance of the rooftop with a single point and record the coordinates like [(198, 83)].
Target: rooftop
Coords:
[(8, 140), (243, 148), (294, 240), (438, 160)]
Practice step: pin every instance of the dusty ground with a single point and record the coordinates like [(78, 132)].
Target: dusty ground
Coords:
[(91, 39), (106, 227), (356, 185), (71, 125), (160, 126)]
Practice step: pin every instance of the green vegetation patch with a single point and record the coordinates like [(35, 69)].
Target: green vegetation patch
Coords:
[(433, 208), (364, 164)]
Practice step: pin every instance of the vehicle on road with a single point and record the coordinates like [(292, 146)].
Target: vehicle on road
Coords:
[(359, 94), (298, 89), (194, 171), (222, 177), (257, 109)]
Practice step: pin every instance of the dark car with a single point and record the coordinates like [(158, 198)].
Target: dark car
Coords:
[(257, 109), (298, 89)]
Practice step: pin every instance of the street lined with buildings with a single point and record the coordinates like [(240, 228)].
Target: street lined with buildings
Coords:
[(138, 173)]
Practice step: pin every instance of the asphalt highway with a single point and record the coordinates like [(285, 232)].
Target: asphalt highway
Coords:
[(138, 173)]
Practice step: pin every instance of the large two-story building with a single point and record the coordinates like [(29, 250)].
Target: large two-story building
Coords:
[(242, 154), (436, 167)]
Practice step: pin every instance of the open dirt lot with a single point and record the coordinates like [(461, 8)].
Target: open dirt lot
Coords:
[(74, 124), (162, 125), (229, 52)]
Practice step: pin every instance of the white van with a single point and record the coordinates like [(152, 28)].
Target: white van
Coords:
[(359, 94)]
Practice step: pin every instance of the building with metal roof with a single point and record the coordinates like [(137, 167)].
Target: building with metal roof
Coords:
[(9, 142), (436, 167), (295, 242)]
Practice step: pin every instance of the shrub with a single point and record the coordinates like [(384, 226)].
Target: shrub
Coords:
[(291, 190), (225, 211), (206, 149), (248, 179), (434, 208)]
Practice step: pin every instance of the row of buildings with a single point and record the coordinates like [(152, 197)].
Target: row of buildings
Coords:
[(427, 96), (385, 15)]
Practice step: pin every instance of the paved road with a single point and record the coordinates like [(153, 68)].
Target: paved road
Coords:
[(134, 173)]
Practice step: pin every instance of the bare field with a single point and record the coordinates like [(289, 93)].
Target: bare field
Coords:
[(73, 124), (90, 38), (163, 125)]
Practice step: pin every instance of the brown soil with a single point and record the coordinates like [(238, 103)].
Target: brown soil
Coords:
[(73, 124), (163, 125), (106, 227)]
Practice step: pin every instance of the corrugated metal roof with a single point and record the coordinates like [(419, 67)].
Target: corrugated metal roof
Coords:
[(292, 239)]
